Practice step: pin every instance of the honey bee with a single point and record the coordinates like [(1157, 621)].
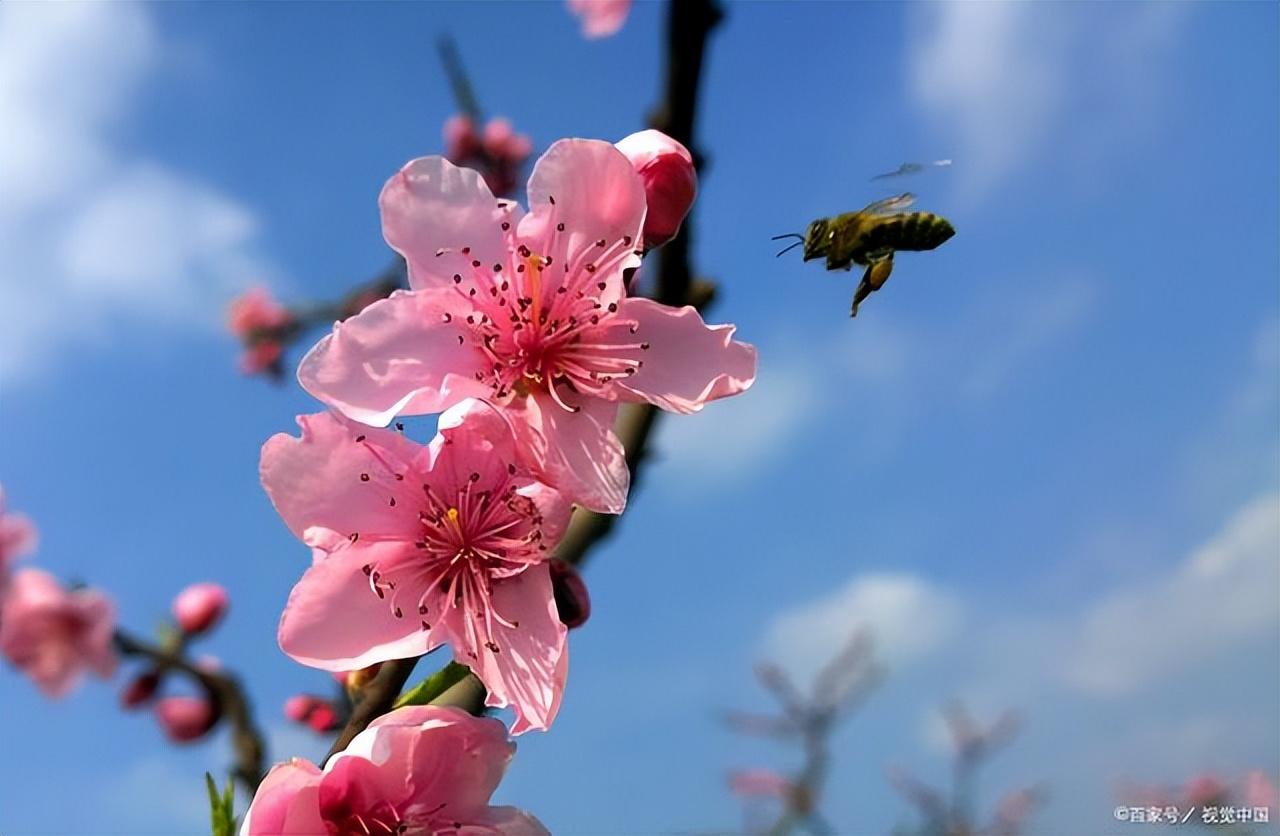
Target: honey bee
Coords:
[(869, 238)]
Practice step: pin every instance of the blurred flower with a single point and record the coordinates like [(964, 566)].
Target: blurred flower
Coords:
[(498, 155), (199, 607), (600, 18), (17, 538), (53, 635), (259, 321), (140, 689), (298, 707), (1260, 791), (184, 719), (529, 313), (759, 782), (1204, 790), (573, 603), (422, 769), (419, 546), (323, 717), (670, 182)]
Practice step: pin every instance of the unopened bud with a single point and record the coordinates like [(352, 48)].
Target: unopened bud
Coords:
[(184, 719), (298, 707), (572, 601), (199, 607), (322, 718), (670, 182), (140, 689)]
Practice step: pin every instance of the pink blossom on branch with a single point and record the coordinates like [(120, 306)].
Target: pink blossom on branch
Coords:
[(420, 546), (600, 18), (185, 719), (53, 635), (498, 154), (527, 312), (670, 182), (422, 769), (200, 606), (258, 320)]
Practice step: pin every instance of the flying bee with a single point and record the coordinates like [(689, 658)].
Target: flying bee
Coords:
[(869, 238)]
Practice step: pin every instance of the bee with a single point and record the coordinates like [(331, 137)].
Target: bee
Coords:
[(869, 238)]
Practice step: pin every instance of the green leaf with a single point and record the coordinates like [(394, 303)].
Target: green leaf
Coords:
[(221, 807), (433, 686)]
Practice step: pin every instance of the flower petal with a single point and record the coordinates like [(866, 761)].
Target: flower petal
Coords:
[(319, 480), (286, 803), (334, 621), (432, 205), (688, 362), (529, 669), (406, 354), (574, 452)]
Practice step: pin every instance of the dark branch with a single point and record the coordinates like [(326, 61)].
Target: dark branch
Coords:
[(227, 695)]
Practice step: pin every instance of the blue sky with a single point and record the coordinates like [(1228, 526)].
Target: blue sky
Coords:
[(1042, 465)]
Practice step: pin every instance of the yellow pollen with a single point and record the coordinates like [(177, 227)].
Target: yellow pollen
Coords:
[(533, 264), (452, 514)]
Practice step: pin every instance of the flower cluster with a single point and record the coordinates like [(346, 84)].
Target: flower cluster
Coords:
[(50, 633), (262, 325), (497, 153), (517, 329)]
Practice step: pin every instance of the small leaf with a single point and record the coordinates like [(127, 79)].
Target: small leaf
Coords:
[(221, 807), (433, 686)]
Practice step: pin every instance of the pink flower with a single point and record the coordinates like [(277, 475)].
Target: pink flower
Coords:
[(1259, 791), (600, 18), (420, 770), (259, 321), (53, 635), (529, 313), (460, 140), (298, 707), (1204, 789), (670, 182), (759, 782), (323, 718), (418, 546), (17, 538), (501, 142), (199, 607), (184, 719)]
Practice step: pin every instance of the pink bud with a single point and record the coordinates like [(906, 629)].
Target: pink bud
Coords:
[(298, 707), (460, 141), (1204, 790), (199, 606), (572, 601), (140, 689), (670, 182), (184, 719), (322, 717)]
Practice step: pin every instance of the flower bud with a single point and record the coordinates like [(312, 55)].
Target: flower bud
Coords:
[(298, 707), (670, 182), (460, 140), (322, 718), (572, 601), (184, 719), (140, 689), (199, 606)]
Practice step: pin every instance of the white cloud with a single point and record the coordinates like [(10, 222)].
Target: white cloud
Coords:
[(1000, 78), (908, 618), (740, 434), (94, 238), (1223, 593)]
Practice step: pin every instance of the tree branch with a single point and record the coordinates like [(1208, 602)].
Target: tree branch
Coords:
[(223, 689)]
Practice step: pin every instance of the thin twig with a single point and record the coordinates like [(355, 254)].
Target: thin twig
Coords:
[(228, 696)]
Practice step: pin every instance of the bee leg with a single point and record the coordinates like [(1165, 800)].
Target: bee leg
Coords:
[(864, 290)]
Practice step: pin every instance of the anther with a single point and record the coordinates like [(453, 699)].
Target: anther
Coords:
[(364, 477)]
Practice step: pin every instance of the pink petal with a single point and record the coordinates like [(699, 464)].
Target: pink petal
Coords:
[(406, 354), (334, 621), (528, 673), (688, 362), (444, 753), (352, 786), (97, 614), (287, 802), (598, 196), (600, 18), (432, 205), (574, 452), (318, 480)]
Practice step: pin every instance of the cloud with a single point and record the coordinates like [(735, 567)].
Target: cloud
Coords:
[(907, 617), (1223, 593), (1000, 79), (95, 239), (742, 434)]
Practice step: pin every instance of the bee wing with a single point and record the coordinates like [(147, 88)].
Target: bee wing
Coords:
[(890, 205)]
